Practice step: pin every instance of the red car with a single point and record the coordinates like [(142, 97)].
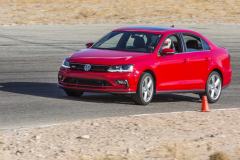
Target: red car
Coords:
[(143, 61)]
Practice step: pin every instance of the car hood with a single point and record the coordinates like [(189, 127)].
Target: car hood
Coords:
[(106, 57)]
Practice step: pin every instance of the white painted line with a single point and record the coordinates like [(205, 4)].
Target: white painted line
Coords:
[(212, 110), (134, 115)]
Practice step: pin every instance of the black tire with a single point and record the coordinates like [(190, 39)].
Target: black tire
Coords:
[(139, 97), (73, 93), (213, 97), (201, 95)]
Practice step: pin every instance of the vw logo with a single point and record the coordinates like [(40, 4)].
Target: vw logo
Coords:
[(87, 67)]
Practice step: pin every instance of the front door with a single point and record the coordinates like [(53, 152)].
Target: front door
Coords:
[(171, 68)]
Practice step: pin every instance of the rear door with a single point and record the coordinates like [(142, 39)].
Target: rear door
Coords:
[(197, 54)]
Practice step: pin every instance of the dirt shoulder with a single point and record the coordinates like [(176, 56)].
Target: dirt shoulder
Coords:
[(188, 135), (121, 11)]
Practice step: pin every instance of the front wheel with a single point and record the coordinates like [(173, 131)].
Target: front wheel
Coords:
[(145, 90), (214, 87)]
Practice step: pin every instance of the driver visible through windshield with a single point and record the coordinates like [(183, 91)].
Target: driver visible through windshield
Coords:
[(128, 41)]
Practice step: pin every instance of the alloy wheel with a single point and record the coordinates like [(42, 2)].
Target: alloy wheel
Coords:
[(145, 91), (214, 87), (147, 88)]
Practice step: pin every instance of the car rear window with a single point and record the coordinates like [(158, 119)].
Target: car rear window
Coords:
[(192, 43)]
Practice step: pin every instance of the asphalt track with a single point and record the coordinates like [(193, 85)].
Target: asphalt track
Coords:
[(31, 55)]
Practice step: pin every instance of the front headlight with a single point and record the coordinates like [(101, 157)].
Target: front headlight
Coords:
[(65, 63), (121, 68)]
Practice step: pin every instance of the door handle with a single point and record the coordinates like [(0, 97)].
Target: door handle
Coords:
[(208, 59), (186, 60)]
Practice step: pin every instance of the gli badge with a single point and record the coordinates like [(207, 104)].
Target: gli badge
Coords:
[(87, 67)]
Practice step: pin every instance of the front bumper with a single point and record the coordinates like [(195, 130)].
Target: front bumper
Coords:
[(84, 81)]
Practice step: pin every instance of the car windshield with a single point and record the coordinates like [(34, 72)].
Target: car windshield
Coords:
[(128, 41)]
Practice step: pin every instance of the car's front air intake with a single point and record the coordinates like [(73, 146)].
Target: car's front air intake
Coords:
[(86, 82)]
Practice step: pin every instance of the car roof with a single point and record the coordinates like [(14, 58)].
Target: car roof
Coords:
[(151, 29)]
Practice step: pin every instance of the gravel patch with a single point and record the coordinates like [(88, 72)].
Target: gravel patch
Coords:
[(186, 135)]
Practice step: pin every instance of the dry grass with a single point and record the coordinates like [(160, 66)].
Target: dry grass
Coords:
[(219, 156), (173, 155), (106, 157), (110, 157), (118, 11)]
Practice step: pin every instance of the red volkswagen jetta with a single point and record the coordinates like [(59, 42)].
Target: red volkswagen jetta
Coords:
[(143, 61)]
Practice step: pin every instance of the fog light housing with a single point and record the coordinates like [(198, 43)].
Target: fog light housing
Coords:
[(122, 82), (60, 77)]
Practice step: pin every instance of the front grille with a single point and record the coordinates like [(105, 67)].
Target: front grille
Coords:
[(94, 68), (87, 82)]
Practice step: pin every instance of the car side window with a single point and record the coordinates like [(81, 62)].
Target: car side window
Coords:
[(192, 43), (205, 45), (172, 42)]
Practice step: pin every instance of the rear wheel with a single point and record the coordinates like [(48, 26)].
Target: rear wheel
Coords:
[(73, 93), (214, 87), (145, 90)]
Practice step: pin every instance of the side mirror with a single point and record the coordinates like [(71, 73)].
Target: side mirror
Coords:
[(89, 44), (168, 51)]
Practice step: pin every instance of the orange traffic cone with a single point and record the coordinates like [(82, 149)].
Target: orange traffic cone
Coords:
[(205, 107)]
